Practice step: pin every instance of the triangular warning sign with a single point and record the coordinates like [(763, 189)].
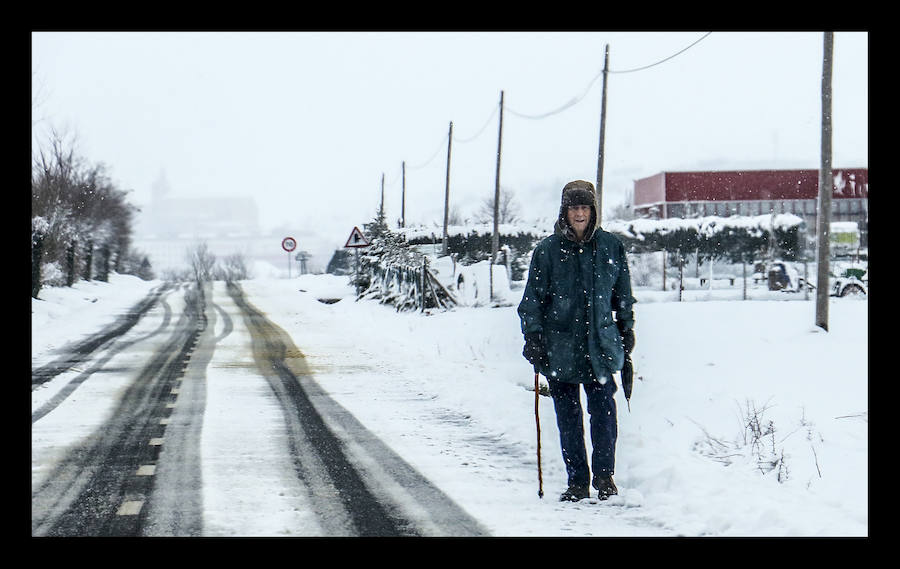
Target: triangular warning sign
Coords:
[(357, 239)]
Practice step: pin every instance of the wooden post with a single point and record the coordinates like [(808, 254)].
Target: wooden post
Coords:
[(823, 219), (37, 256), (602, 138), (104, 263), (744, 275), (356, 251), (495, 238), (403, 197), (70, 263), (88, 260), (424, 268), (664, 255), (805, 278), (447, 193)]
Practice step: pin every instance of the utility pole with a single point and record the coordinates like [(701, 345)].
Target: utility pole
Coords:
[(823, 219), (447, 192), (602, 138), (495, 239), (403, 197)]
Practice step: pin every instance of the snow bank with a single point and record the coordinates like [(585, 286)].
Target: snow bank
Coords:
[(61, 315)]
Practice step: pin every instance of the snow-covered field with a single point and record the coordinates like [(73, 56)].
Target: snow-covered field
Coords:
[(746, 419)]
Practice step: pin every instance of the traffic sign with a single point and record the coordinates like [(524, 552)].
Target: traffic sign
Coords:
[(357, 239), (289, 244)]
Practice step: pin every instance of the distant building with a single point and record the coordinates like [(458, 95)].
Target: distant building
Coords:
[(169, 227), (754, 192), (168, 218)]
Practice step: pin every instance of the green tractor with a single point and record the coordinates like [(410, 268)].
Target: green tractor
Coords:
[(853, 281)]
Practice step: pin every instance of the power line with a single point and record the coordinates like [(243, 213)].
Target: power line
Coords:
[(663, 60), (433, 156), (571, 103), (460, 140), (584, 94), (396, 177), (484, 126)]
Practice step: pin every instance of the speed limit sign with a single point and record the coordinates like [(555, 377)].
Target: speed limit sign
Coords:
[(289, 244)]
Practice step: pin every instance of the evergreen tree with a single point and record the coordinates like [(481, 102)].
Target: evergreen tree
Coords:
[(145, 272), (378, 226)]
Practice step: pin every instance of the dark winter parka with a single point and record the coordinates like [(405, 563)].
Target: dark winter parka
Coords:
[(573, 288)]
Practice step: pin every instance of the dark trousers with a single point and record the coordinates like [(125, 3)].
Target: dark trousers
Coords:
[(601, 407)]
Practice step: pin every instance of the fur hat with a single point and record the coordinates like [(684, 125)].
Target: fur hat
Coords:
[(577, 192)]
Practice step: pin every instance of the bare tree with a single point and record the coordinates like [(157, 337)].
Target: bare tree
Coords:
[(508, 211), (622, 211), (234, 268), (38, 97), (454, 217), (202, 261)]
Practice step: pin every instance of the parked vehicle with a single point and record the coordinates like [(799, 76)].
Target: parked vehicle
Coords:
[(782, 276), (852, 281)]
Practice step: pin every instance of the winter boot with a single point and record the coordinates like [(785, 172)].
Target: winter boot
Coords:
[(605, 487), (575, 493)]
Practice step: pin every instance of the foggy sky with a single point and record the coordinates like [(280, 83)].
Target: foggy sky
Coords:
[(307, 123)]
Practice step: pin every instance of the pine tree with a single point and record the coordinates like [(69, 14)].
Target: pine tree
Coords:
[(378, 226)]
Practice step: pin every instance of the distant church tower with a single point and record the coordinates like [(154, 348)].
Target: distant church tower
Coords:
[(160, 187)]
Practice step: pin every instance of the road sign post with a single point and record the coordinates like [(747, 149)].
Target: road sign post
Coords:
[(289, 244), (357, 241)]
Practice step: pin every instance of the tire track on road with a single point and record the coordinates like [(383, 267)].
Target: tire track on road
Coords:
[(175, 508), (83, 349), (380, 494), (100, 487), (117, 345)]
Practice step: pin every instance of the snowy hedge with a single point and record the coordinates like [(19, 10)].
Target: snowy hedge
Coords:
[(472, 243), (733, 238), (392, 271)]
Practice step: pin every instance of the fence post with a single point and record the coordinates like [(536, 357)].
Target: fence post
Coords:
[(37, 254), (88, 259), (422, 288), (664, 255), (103, 274), (805, 279), (744, 274), (70, 264)]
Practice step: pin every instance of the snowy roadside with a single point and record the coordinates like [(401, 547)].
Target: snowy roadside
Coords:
[(449, 393), (61, 315)]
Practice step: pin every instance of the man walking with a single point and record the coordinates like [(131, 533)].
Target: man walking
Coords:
[(578, 278)]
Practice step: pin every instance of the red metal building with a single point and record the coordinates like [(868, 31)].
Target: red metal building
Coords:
[(753, 192)]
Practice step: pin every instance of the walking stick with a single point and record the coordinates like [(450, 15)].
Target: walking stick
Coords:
[(537, 420)]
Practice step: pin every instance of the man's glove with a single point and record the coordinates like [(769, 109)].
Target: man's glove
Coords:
[(628, 341), (534, 350)]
